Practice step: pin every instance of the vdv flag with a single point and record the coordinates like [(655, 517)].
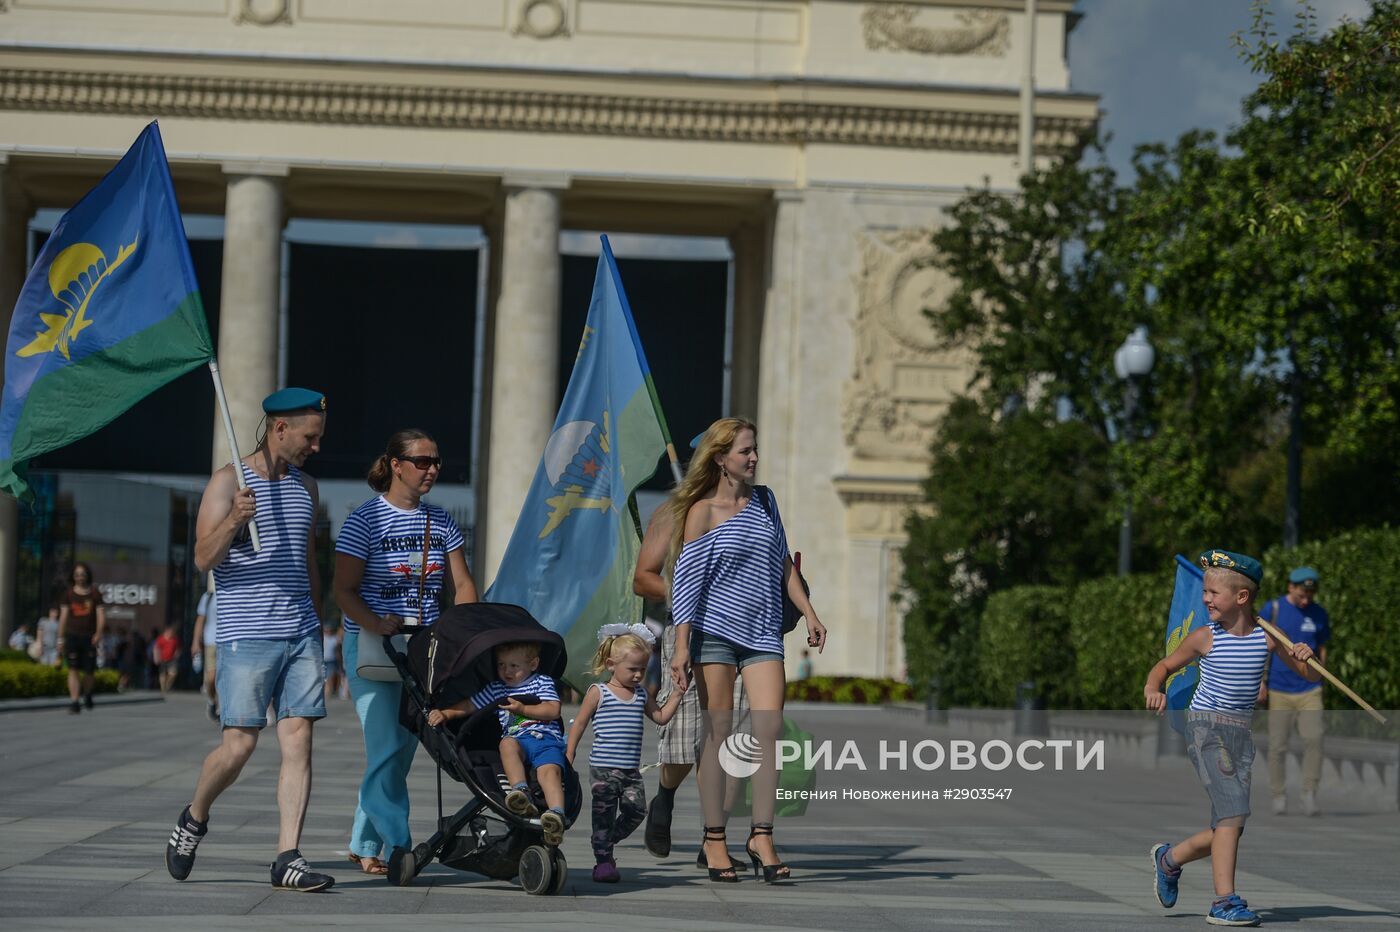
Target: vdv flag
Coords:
[(1186, 615), (574, 548), (109, 313)]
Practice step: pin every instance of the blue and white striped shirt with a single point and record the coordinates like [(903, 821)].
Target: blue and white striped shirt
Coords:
[(1231, 671), (729, 581), (267, 595), (512, 726), (617, 730), (389, 541)]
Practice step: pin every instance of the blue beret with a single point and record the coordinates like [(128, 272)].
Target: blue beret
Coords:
[(1303, 575), (1227, 559), (294, 399), (695, 441)]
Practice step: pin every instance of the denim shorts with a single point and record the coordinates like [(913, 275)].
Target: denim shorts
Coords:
[(711, 648), (286, 674), (1222, 751), (541, 748)]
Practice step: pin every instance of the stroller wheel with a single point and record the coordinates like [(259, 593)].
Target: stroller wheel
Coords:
[(561, 871), (536, 870), (402, 867)]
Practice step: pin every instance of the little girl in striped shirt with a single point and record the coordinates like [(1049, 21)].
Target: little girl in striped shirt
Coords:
[(614, 763)]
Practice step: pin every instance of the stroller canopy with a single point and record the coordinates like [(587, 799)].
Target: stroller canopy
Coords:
[(454, 658)]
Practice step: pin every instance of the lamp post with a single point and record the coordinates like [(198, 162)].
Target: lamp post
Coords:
[(1132, 361)]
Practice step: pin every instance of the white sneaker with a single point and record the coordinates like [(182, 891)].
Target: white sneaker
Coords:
[(1309, 803), (1280, 805)]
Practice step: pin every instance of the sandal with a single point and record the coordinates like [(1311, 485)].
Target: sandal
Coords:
[(771, 872), (719, 874), (370, 864)]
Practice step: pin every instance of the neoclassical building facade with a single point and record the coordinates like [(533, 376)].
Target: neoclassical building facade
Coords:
[(822, 138)]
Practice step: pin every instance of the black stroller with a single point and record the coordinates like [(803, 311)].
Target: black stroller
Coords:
[(444, 664)]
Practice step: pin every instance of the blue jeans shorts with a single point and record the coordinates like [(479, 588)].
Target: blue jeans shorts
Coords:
[(1222, 751), (711, 648), (541, 748), (289, 675)]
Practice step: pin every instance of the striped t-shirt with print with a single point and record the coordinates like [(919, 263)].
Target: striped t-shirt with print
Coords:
[(390, 542), (536, 684)]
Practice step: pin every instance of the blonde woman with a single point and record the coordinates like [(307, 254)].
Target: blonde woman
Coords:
[(731, 570)]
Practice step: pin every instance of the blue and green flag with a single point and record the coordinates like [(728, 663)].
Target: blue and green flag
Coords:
[(1186, 615), (109, 313), (572, 554)]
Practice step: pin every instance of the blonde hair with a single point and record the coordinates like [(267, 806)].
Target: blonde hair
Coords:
[(531, 649), (701, 475), (1233, 579), (617, 646)]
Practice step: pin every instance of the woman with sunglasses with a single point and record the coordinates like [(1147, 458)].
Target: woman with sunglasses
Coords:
[(382, 563)]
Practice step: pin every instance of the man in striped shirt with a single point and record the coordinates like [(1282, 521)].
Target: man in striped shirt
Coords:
[(269, 643)]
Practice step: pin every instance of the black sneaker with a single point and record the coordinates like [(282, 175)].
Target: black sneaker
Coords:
[(291, 872), (179, 851), (75, 707), (87, 701)]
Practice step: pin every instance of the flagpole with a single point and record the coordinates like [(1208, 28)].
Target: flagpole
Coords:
[(1282, 638), (642, 358), (232, 444)]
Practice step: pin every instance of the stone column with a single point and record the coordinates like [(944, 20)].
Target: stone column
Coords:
[(15, 210), (779, 378), (750, 291), (525, 356), (251, 294)]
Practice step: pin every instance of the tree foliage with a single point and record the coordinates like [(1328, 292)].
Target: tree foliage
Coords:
[(1272, 249)]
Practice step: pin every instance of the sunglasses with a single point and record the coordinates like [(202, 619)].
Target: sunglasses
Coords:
[(424, 463)]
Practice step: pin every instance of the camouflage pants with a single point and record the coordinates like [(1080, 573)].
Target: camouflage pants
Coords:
[(619, 806)]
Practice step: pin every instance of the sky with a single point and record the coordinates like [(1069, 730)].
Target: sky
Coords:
[(1166, 66)]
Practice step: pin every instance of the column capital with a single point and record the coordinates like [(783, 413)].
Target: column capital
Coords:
[(542, 180), (258, 167)]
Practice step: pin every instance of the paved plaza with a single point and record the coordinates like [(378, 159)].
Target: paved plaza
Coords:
[(86, 803)]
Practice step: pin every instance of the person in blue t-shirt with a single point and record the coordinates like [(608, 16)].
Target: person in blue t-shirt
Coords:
[(1292, 699)]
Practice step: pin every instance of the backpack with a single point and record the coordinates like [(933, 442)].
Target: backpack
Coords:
[(791, 613)]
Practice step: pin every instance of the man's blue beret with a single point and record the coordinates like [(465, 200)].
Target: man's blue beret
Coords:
[(1303, 576), (294, 399)]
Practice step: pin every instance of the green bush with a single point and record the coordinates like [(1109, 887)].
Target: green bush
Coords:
[(1117, 631), (1359, 586), (1025, 636), (851, 689), (8, 654), (27, 680)]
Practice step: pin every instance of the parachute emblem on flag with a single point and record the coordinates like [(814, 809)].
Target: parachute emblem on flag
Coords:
[(576, 463), (74, 276)]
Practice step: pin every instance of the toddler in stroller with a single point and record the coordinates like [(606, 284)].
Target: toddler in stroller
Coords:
[(479, 692)]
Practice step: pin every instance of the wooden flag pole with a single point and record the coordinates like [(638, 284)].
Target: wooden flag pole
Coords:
[(1279, 636), (232, 445)]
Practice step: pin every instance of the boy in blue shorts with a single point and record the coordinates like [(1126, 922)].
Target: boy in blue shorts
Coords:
[(531, 732), (1233, 651)]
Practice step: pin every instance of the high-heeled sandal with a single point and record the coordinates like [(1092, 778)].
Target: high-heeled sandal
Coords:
[(719, 874), (771, 872)]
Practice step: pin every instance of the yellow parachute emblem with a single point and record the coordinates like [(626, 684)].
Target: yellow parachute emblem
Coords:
[(1174, 641), (74, 276)]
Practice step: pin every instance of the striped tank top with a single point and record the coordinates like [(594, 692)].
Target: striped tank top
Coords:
[(267, 595), (1231, 671), (617, 730), (729, 581)]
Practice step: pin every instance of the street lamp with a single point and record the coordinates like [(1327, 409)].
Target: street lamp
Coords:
[(1132, 361)]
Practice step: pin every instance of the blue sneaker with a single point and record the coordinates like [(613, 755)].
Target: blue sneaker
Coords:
[(1164, 884), (1232, 911)]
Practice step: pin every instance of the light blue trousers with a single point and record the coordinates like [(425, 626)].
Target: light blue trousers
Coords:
[(381, 818)]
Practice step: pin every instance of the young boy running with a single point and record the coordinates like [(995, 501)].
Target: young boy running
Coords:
[(1233, 651)]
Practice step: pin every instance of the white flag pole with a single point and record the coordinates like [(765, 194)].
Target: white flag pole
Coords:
[(232, 444)]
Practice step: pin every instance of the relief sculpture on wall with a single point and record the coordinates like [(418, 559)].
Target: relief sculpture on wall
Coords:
[(902, 381), (892, 26)]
